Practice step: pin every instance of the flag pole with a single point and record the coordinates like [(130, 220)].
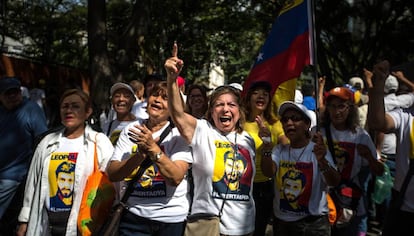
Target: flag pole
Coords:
[(314, 56)]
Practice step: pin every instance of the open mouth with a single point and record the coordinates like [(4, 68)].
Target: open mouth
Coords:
[(155, 106), (225, 119)]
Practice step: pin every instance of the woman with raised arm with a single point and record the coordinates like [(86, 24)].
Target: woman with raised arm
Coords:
[(223, 155)]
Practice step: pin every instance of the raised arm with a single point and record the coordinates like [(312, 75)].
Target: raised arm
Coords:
[(400, 76), (377, 118), (185, 123)]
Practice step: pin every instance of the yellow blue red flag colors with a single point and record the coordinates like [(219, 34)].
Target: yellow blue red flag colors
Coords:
[(286, 50)]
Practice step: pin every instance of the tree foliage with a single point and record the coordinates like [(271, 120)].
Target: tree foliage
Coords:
[(135, 37)]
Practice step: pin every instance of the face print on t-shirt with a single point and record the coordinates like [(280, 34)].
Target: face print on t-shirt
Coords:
[(232, 172)]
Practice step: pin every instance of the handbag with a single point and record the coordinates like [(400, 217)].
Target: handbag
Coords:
[(97, 199), (202, 224), (110, 227)]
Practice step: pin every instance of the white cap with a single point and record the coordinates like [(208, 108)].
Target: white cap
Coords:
[(354, 81), (237, 86), (295, 106), (117, 86), (391, 83)]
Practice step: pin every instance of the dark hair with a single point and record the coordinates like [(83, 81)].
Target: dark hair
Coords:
[(267, 114), (159, 89), (226, 90), (203, 91), (307, 89)]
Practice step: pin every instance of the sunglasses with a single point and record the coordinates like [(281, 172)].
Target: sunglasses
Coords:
[(294, 118)]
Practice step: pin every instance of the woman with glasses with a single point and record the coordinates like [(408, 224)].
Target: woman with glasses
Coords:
[(302, 171), (266, 131), (197, 101), (223, 156), (354, 151)]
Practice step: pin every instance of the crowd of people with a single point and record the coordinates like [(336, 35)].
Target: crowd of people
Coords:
[(225, 157)]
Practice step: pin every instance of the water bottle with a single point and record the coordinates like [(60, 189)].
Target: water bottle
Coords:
[(383, 185)]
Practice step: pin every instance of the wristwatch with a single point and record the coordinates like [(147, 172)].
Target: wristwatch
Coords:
[(156, 157)]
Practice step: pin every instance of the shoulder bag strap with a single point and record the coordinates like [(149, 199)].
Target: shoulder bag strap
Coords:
[(330, 142), (144, 165)]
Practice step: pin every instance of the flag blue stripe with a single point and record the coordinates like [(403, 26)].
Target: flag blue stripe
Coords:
[(286, 28)]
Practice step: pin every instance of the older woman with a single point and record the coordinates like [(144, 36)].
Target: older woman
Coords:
[(354, 151), (61, 164), (159, 202), (303, 170), (223, 155)]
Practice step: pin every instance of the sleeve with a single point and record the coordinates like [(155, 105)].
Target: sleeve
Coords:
[(178, 149), (123, 147), (33, 182), (105, 150)]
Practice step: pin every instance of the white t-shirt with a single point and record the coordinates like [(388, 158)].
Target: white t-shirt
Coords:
[(114, 128), (62, 173), (391, 102), (213, 155), (300, 187), (152, 197), (348, 161), (139, 109), (403, 124)]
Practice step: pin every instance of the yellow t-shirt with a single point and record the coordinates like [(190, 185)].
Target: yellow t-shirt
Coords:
[(253, 129)]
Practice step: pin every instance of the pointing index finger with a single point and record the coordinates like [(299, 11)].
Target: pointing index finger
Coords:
[(175, 49)]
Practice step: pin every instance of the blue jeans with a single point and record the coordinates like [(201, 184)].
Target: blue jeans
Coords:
[(131, 224)]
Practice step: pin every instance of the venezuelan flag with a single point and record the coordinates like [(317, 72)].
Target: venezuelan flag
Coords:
[(285, 52)]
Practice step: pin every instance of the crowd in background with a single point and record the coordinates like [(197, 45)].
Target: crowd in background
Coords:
[(226, 154)]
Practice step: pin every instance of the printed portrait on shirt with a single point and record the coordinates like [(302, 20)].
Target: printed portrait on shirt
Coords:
[(344, 157), (294, 181), (61, 180), (232, 172)]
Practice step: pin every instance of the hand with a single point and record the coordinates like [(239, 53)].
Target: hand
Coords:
[(142, 136), (21, 231), (398, 74), (364, 151), (173, 65), (320, 148), (322, 81), (368, 77), (264, 132), (381, 70)]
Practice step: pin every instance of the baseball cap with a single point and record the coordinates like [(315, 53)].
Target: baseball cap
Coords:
[(9, 83), (287, 105), (356, 82), (236, 86), (119, 85), (391, 83), (341, 92), (261, 84)]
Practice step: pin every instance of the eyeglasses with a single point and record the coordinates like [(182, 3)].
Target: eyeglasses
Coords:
[(339, 107), (294, 118)]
